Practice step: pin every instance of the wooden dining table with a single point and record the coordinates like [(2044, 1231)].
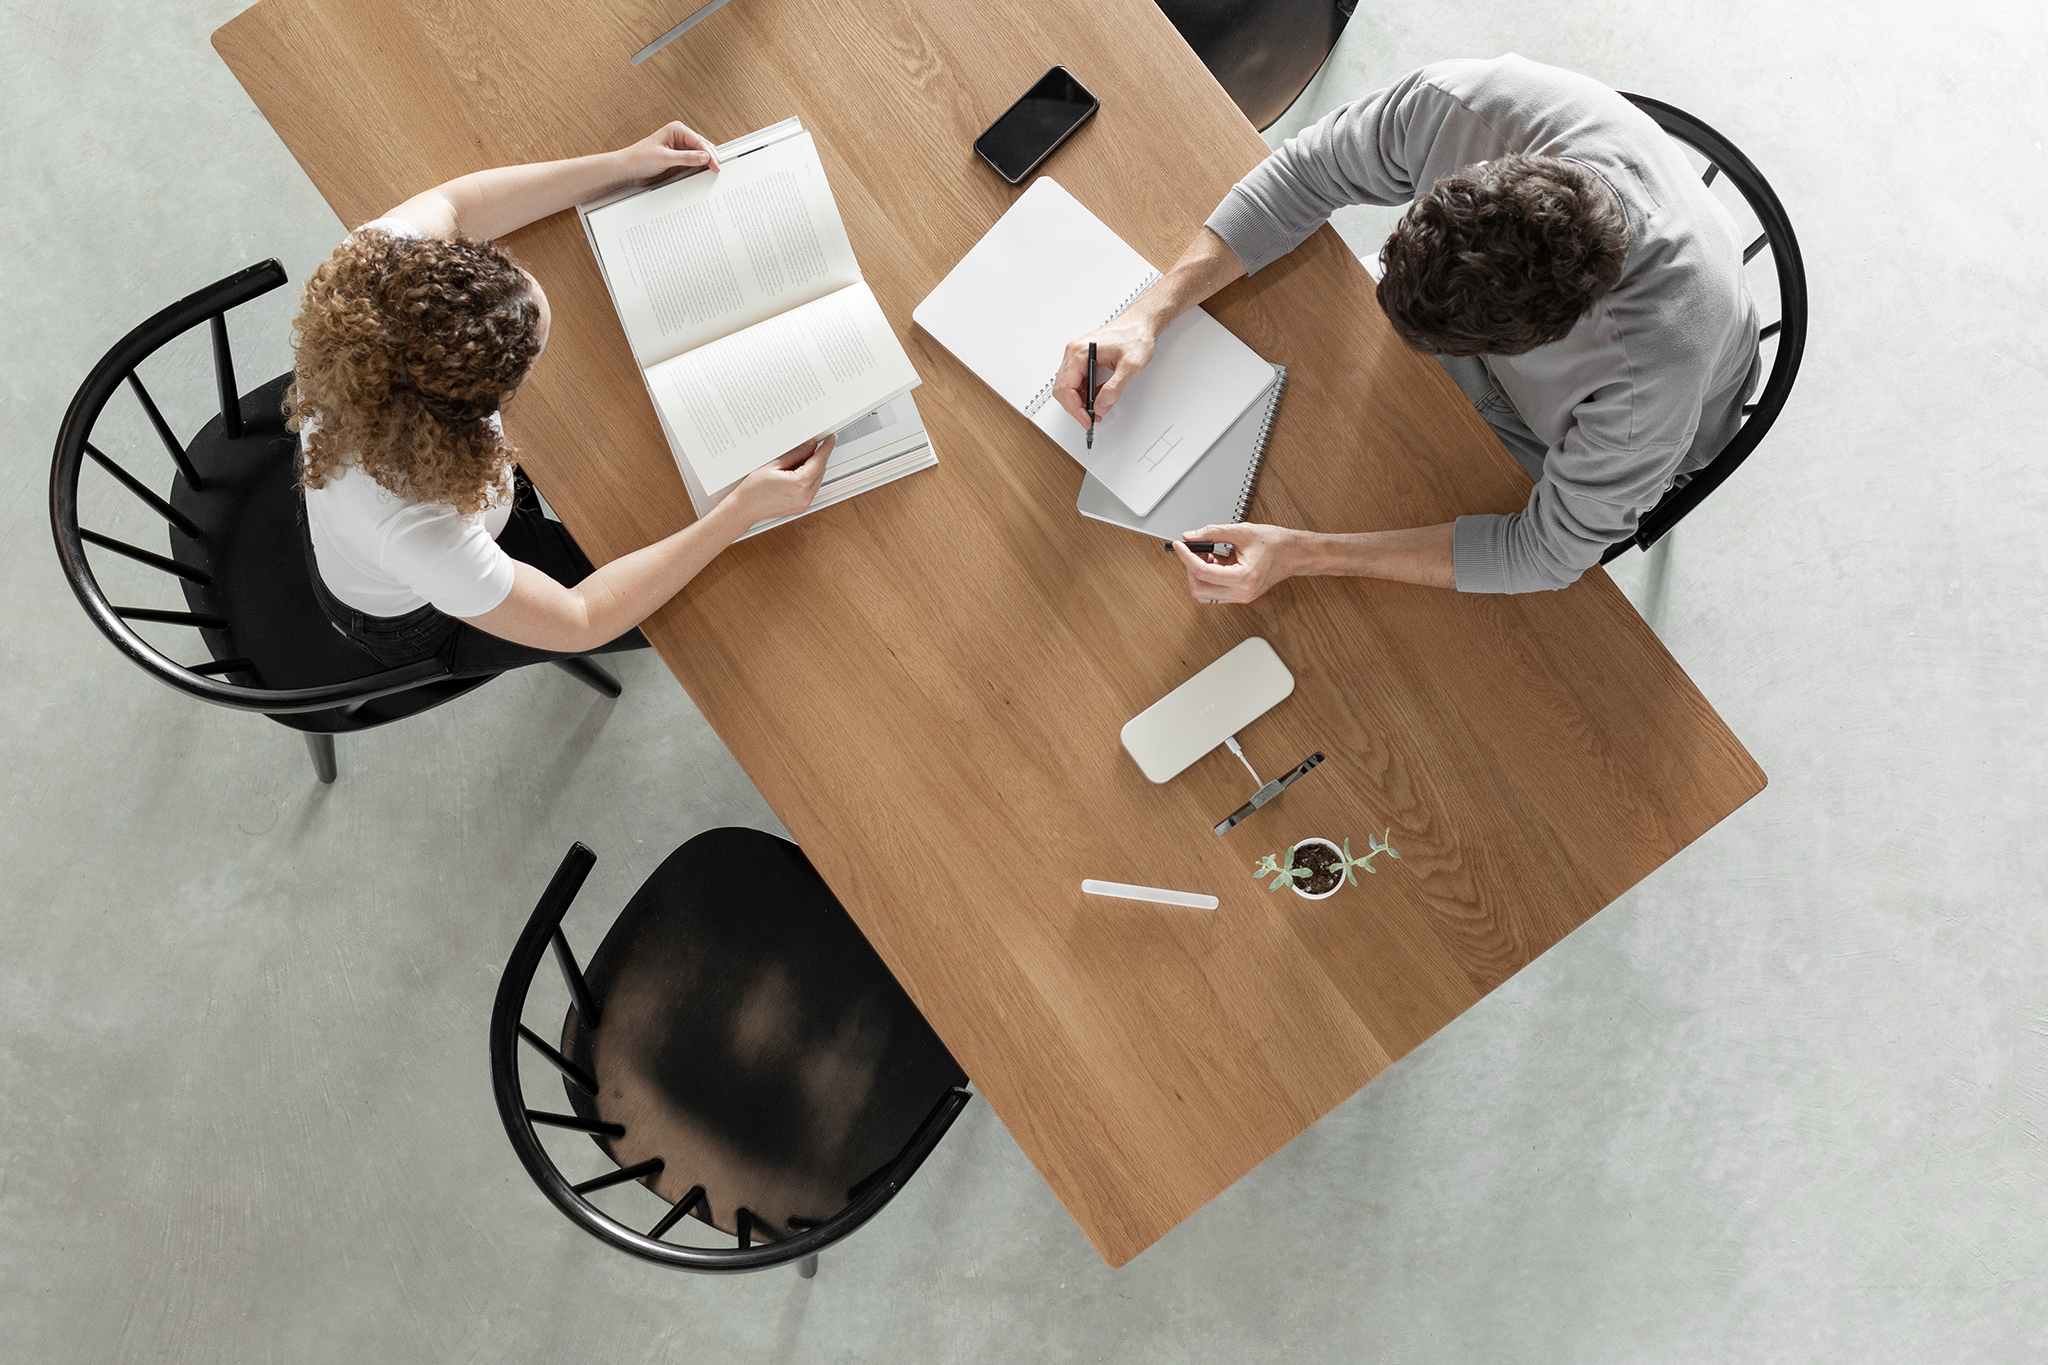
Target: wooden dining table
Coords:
[(927, 682)]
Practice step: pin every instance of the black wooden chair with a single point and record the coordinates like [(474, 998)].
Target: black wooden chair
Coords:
[(236, 549), (1262, 52), (1723, 158), (738, 1048)]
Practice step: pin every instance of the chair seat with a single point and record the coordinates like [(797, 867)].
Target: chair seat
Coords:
[(1262, 52), (250, 542), (751, 1038)]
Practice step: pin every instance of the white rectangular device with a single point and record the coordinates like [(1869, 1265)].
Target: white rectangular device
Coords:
[(1207, 709)]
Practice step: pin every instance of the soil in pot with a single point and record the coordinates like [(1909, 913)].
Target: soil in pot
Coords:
[(1323, 862)]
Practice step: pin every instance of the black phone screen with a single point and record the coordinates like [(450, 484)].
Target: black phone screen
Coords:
[(1030, 130)]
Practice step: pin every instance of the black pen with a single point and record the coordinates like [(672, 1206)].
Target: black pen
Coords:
[(1205, 547), (1088, 395)]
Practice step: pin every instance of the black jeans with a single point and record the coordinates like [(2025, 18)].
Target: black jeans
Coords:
[(427, 633)]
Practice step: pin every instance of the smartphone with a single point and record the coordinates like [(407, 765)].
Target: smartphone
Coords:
[(1030, 130)]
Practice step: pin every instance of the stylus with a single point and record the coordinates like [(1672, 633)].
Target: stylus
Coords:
[(1088, 392), (1125, 891), (1269, 791)]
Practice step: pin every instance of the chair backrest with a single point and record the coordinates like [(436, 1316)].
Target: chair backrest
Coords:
[(1724, 158), (74, 447), (544, 929)]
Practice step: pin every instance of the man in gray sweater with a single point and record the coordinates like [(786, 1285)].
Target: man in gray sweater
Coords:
[(1567, 266)]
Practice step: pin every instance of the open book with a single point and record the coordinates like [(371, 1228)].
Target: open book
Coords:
[(1050, 271), (750, 322)]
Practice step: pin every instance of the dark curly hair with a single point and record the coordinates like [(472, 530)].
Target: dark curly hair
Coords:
[(403, 348), (1502, 257)]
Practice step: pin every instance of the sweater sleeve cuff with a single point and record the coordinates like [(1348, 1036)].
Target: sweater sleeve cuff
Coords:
[(1247, 229), (1479, 553)]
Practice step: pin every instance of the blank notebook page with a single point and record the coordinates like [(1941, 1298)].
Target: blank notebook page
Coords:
[(1047, 272)]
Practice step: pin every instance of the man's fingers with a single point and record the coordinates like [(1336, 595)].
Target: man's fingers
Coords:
[(1113, 387), (1066, 385), (1218, 575), (1202, 571)]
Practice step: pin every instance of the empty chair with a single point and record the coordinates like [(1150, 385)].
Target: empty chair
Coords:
[(235, 545), (1724, 159), (735, 1046), (1262, 52)]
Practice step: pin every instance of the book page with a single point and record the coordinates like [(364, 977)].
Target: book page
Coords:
[(709, 255), (735, 404)]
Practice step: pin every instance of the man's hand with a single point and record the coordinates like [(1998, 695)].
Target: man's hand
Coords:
[(785, 485), (1266, 556), (665, 152), (1123, 348)]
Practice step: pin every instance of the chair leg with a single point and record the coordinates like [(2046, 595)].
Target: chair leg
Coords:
[(322, 748), (590, 673), (808, 1267)]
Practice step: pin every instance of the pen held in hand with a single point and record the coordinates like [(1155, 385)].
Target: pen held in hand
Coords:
[(1088, 395), (1204, 547)]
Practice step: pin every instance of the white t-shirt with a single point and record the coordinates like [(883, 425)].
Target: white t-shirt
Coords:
[(386, 555)]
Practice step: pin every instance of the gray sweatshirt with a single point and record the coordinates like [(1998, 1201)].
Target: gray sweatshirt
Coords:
[(1645, 389)]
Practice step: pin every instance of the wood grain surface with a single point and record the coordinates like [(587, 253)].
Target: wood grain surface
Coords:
[(927, 682)]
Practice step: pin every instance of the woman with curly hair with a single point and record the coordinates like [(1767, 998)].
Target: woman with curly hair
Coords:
[(407, 342)]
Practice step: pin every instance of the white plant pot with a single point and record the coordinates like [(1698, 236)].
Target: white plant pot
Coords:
[(1295, 887)]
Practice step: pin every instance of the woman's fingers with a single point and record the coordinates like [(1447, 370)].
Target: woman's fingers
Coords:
[(797, 456), (685, 138)]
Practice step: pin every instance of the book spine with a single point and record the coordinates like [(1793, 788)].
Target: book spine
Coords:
[(1251, 473), (1038, 400)]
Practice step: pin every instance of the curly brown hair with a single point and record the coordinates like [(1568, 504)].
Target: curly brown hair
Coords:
[(1503, 257), (403, 349)]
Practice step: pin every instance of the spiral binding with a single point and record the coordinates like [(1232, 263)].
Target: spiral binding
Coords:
[(1045, 391), (1251, 473)]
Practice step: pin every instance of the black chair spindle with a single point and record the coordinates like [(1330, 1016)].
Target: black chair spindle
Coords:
[(577, 1122), (576, 1074), (224, 375), (651, 1166), (572, 976), (684, 1207), (172, 618), (143, 491), (164, 434), (141, 556)]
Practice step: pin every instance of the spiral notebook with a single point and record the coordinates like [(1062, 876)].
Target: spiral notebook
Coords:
[(1050, 271), (1216, 492)]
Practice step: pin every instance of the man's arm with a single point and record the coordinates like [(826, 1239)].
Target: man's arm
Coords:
[(1364, 153), (487, 204), (1269, 555)]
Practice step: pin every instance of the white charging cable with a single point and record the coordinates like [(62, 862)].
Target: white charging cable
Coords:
[(1230, 742)]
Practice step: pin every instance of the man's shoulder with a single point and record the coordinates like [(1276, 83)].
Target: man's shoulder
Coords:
[(1512, 81)]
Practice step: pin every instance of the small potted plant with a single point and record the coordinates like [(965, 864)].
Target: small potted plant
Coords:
[(1315, 868)]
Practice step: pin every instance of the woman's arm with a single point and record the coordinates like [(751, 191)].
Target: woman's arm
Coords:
[(487, 204), (542, 613)]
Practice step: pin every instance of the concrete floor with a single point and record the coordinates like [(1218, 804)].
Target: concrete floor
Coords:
[(1784, 1102)]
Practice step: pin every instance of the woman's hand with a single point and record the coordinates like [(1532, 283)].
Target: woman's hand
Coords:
[(1266, 557), (665, 152), (785, 485), (1123, 348)]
